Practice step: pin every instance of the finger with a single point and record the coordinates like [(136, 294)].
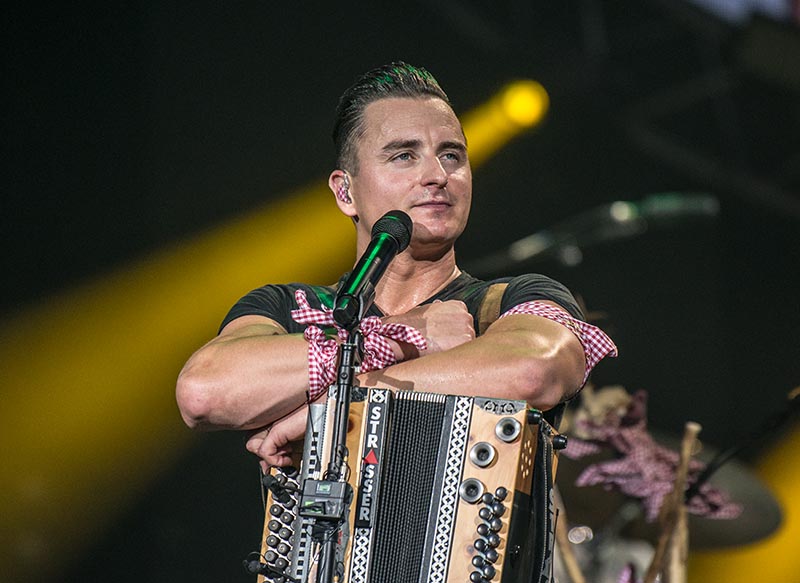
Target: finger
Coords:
[(255, 438), (279, 458), (254, 443), (271, 451)]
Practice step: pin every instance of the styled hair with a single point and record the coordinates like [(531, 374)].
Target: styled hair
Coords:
[(397, 79)]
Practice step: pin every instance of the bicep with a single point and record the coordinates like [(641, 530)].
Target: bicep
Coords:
[(548, 340)]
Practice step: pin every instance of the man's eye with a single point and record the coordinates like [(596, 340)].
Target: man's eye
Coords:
[(451, 157), (403, 156)]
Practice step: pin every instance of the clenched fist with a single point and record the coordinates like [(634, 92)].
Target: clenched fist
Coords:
[(444, 325)]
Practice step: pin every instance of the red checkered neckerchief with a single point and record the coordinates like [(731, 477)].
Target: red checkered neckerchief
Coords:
[(596, 343), (645, 470), (322, 350)]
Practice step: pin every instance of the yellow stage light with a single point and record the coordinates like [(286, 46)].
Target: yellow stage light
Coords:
[(517, 107), (525, 102)]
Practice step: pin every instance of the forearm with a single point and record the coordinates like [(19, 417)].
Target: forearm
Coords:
[(520, 357), (244, 380)]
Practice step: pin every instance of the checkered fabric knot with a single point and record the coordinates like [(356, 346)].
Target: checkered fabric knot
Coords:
[(643, 468), (323, 350), (596, 343)]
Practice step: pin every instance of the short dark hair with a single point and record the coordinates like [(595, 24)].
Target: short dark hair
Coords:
[(397, 79)]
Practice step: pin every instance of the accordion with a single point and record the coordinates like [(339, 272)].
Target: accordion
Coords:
[(444, 489)]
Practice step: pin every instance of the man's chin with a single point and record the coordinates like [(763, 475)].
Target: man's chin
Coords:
[(430, 246)]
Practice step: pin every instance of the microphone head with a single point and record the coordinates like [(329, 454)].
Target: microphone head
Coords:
[(398, 225)]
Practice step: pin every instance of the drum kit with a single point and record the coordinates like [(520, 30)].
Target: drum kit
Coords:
[(606, 533)]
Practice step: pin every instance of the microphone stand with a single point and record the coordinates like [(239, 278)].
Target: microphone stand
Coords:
[(327, 500)]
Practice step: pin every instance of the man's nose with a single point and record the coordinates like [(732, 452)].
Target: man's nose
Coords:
[(434, 172)]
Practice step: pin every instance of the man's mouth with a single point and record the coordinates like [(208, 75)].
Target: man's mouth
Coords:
[(434, 204)]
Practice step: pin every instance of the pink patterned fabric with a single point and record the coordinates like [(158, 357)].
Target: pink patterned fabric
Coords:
[(322, 350), (628, 575), (596, 343), (645, 470)]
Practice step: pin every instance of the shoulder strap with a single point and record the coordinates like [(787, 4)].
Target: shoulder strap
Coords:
[(490, 306)]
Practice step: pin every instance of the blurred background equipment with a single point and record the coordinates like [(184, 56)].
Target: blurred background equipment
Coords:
[(609, 222), (609, 507), (158, 163)]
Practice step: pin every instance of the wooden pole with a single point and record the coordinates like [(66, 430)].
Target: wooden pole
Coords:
[(673, 543)]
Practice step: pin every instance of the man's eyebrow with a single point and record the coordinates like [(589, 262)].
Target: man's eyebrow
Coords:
[(395, 145), (452, 145)]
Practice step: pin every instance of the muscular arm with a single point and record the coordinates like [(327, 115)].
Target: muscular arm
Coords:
[(250, 375), (253, 373), (254, 376), (519, 357)]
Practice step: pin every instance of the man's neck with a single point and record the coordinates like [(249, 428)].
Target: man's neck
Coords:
[(408, 281)]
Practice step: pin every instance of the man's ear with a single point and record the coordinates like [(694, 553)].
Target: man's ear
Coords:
[(339, 183)]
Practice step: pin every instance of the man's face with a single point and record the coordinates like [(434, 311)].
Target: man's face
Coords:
[(413, 157)]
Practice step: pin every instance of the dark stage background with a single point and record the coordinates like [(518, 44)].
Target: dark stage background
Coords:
[(130, 127)]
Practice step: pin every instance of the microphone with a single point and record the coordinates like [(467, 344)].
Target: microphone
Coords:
[(391, 234)]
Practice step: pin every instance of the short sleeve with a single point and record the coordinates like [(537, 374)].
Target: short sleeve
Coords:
[(275, 302), (530, 287)]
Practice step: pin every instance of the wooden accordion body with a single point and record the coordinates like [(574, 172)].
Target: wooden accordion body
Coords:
[(446, 489)]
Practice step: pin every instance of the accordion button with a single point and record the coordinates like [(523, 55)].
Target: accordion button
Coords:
[(471, 490), (270, 556), (285, 533), (477, 561), (488, 571), (485, 513), (534, 417), (493, 540), (476, 577), (487, 498), (281, 564), (501, 493), (276, 510), (495, 524), (498, 509), (482, 454), (483, 529), (273, 541), (287, 518), (491, 555), (508, 429), (283, 548), (480, 545), (559, 442), (274, 526)]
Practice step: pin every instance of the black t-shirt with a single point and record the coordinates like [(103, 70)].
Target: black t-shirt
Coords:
[(277, 301)]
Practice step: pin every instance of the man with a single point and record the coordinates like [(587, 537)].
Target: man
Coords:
[(399, 146)]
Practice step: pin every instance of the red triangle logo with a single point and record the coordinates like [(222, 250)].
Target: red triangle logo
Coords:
[(371, 458)]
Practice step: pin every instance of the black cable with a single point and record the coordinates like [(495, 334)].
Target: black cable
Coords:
[(771, 423)]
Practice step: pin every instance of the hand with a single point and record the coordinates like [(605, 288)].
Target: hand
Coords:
[(444, 325), (275, 443)]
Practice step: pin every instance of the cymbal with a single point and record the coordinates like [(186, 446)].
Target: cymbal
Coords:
[(615, 513)]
